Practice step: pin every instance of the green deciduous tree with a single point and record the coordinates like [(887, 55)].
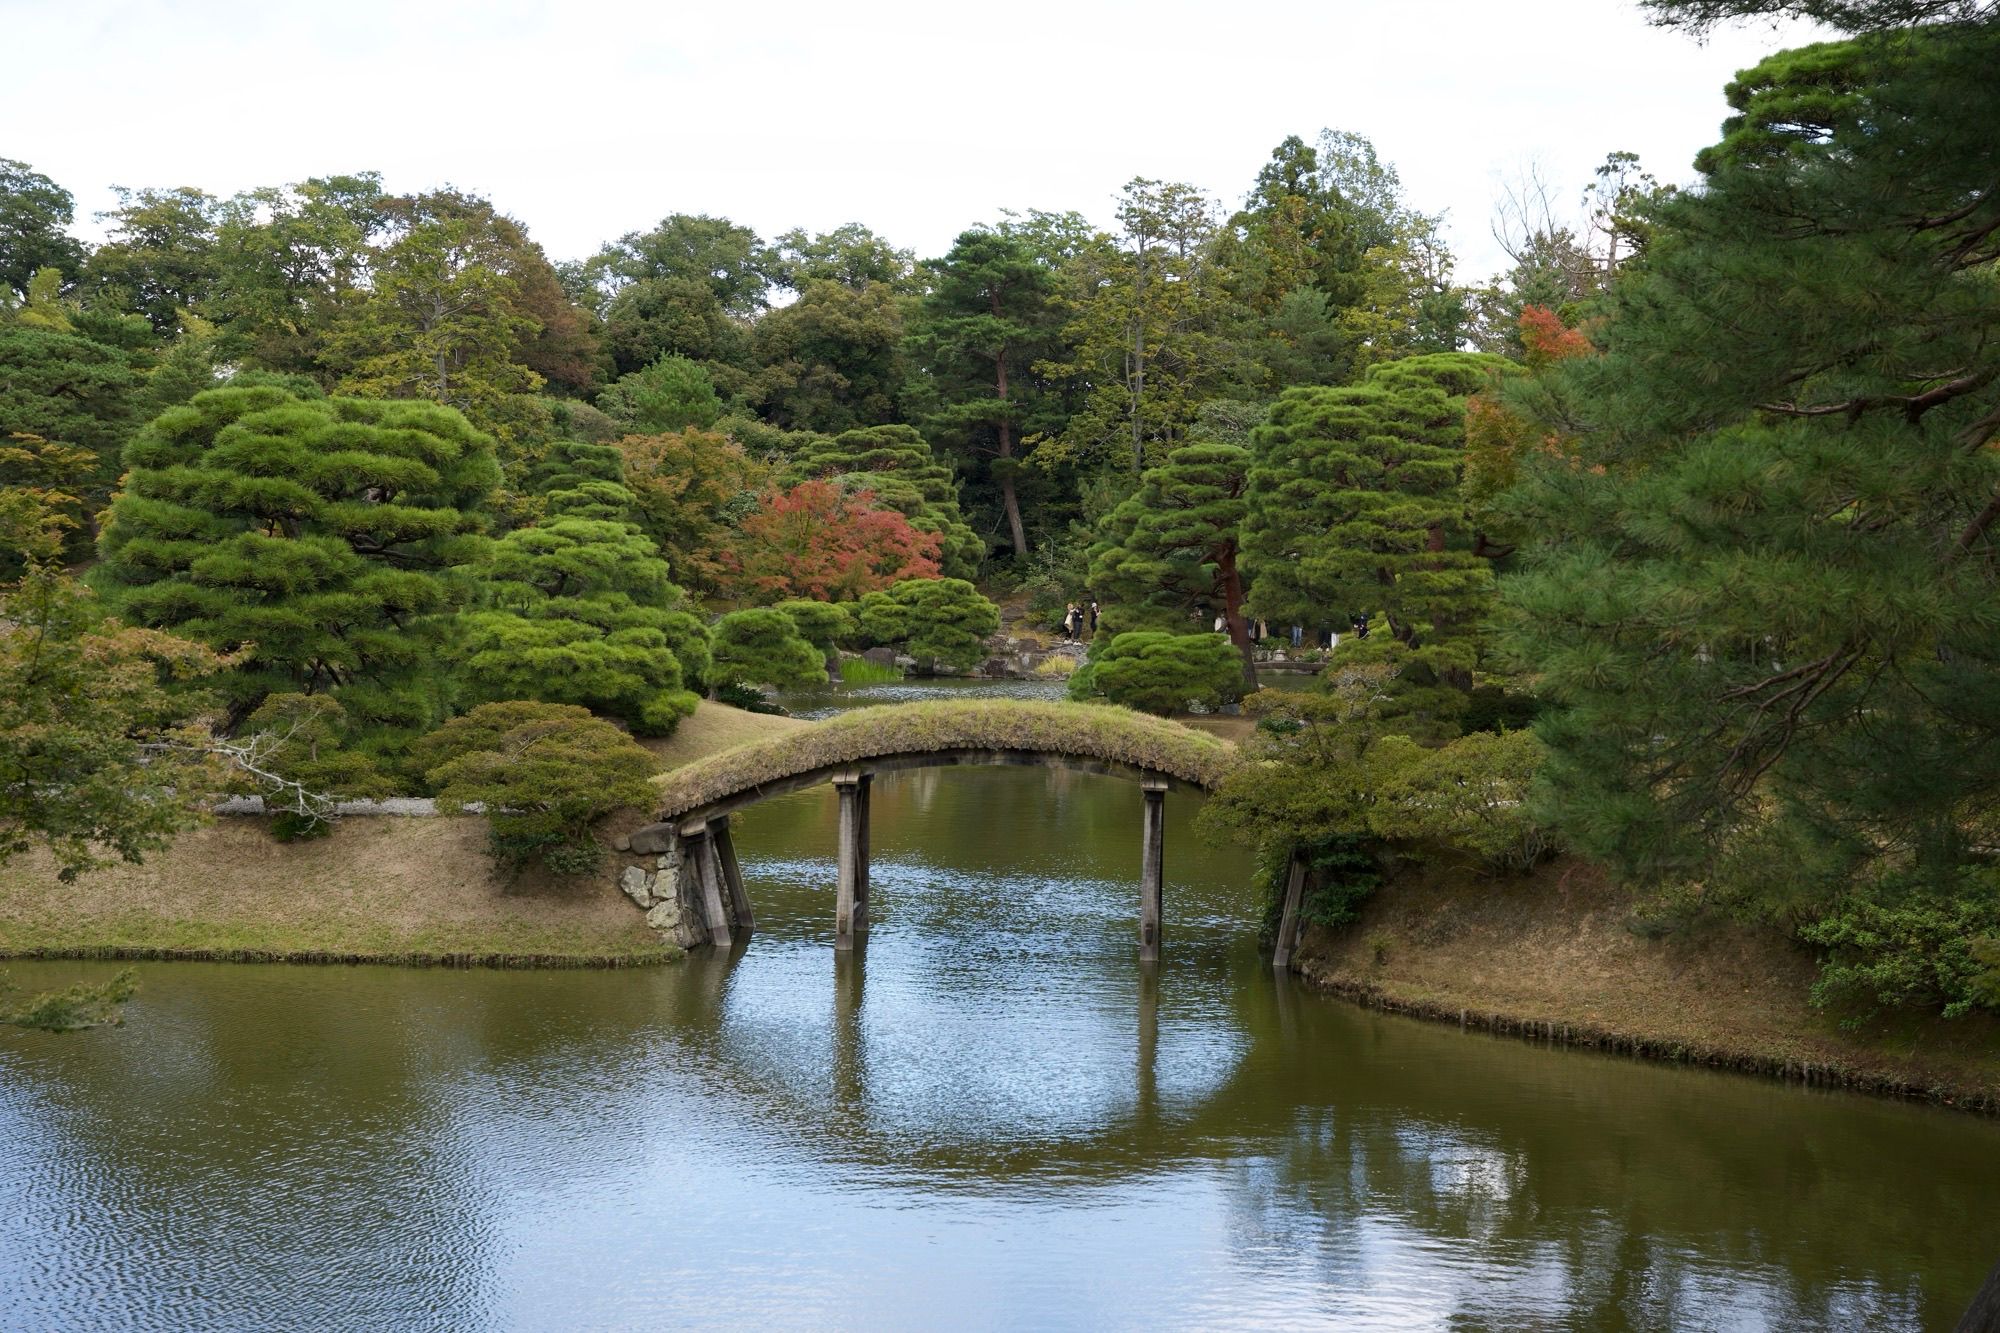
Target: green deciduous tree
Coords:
[(1157, 672), (292, 265), (691, 487), (1145, 328), (99, 758), (689, 287), (35, 214), (833, 359), (443, 319), (329, 539), (850, 254), (159, 259), (543, 772), (942, 621)]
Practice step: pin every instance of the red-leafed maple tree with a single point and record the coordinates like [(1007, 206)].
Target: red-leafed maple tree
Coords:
[(816, 541)]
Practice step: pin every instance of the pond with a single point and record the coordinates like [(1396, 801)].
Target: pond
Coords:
[(991, 1117)]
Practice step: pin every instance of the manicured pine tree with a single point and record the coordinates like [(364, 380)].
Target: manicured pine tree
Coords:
[(1157, 672), (762, 646), (579, 608), (328, 539), (945, 621), (1354, 507), (1173, 545)]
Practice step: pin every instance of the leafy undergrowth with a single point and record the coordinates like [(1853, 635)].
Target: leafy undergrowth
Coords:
[(1082, 731)]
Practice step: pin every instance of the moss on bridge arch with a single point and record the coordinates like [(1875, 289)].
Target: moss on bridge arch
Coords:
[(1081, 731)]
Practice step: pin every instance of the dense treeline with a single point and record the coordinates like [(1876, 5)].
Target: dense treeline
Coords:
[(1675, 544)]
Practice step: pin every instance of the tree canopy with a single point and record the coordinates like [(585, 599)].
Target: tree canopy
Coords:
[(326, 538)]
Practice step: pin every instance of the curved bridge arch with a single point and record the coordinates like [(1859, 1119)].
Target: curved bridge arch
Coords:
[(690, 835)]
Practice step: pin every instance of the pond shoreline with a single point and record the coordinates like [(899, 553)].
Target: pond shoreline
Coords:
[(1547, 1032), (1552, 959)]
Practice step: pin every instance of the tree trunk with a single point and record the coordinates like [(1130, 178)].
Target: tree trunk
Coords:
[(1008, 499), (1232, 611), (1139, 361)]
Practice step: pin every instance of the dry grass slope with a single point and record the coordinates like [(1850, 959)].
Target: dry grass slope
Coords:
[(380, 889), (1084, 731)]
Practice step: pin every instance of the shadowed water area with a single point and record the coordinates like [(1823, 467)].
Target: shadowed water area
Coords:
[(993, 1118)]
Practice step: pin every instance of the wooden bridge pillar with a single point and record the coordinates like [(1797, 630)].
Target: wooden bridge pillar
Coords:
[(700, 859), (1152, 869), (851, 899), (732, 873), (1288, 921)]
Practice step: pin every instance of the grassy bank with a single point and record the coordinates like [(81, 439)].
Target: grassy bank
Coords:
[(378, 889), (1551, 957)]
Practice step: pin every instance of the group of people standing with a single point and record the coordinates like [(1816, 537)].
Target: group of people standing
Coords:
[(1080, 620)]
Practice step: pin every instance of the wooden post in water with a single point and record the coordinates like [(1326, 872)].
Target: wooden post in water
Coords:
[(698, 859), (732, 873), (1288, 922), (850, 921), (1152, 869)]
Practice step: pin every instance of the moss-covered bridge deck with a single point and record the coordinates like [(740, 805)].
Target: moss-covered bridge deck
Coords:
[(691, 833)]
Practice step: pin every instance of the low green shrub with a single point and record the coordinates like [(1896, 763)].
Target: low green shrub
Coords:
[(1470, 794), (543, 773), (1157, 672), (1903, 946)]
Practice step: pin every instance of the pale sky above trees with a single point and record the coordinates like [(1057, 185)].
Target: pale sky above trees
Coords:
[(591, 118)]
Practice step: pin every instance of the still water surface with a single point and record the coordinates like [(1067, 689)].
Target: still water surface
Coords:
[(994, 1119)]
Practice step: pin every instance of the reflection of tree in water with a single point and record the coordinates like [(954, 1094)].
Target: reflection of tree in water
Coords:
[(1627, 1195), (1644, 1193), (260, 1141)]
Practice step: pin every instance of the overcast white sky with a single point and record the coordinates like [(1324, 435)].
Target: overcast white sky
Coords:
[(591, 118)]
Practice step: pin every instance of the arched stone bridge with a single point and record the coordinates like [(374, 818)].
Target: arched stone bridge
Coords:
[(682, 868)]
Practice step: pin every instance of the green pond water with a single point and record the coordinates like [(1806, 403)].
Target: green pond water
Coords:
[(992, 1118)]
